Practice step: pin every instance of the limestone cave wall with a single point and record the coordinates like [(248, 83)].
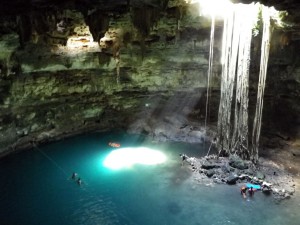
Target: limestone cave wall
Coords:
[(68, 69)]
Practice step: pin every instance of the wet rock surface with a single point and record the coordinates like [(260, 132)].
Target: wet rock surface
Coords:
[(272, 178), (48, 87)]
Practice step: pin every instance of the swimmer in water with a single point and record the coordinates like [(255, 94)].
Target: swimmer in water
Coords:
[(114, 145), (79, 181), (243, 191), (251, 191), (74, 176)]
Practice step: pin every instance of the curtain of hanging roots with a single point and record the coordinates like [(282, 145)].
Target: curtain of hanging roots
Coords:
[(236, 52), (210, 66), (239, 142), (221, 105), (227, 80), (261, 83)]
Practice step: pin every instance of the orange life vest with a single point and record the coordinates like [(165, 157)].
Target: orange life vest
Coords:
[(115, 145)]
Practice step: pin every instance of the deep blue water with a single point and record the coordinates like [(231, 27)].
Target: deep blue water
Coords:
[(36, 189)]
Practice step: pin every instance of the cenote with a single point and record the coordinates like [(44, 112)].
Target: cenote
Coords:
[(182, 72), (36, 188)]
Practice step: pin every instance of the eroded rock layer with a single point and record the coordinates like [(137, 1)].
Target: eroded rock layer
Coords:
[(75, 66)]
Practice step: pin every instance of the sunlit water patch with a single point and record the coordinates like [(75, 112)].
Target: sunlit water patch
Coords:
[(127, 157)]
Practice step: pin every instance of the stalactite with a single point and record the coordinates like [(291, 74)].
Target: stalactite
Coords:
[(265, 48), (144, 19), (98, 24), (180, 12)]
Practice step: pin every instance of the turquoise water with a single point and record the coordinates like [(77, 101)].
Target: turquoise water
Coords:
[(36, 188)]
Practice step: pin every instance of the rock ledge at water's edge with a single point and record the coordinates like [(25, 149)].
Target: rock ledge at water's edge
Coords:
[(232, 170)]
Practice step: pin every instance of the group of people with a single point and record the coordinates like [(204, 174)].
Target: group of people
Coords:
[(244, 189), (76, 178)]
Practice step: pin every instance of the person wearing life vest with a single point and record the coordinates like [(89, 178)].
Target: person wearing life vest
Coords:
[(115, 145)]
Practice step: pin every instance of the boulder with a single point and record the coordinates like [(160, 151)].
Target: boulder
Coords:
[(259, 175), (266, 190), (208, 165), (232, 179), (210, 173), (238, 163), (249, 172), (225, 169)]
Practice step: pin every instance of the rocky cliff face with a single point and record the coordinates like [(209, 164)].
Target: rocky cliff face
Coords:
[(76, 67)]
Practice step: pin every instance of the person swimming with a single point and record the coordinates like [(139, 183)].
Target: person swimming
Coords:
[(251, 191), (115, 145), (244, 191), (74, 176), (79, 181)]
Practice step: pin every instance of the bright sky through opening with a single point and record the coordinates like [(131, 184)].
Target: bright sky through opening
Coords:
[(213, 8)]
